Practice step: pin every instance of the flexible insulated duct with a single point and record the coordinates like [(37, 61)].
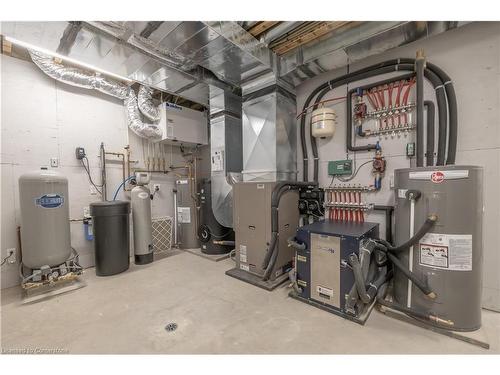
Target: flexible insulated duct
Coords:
[(87, 80), (146, 105), (135, 123), (77, 77)]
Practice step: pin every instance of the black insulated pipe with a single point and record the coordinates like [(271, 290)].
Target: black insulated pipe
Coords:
[(426, 227), (388, 220), (431, 113), (452, 106), (330, 84), (419, 68), (433, 73), (442, 114)]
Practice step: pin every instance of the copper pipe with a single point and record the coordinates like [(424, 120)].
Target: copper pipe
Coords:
[(122, 155)]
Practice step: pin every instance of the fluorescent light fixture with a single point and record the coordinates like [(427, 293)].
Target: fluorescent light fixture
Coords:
[(67, 59)]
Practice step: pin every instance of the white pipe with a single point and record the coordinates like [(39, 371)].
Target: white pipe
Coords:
[(410, 254), (175, 218)]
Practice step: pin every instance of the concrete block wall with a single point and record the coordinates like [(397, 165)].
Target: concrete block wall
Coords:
[(471, 57), (42, 119)]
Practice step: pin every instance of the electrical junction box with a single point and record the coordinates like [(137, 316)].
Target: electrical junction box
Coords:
[(340, 167), (323, 275), (80, 153)]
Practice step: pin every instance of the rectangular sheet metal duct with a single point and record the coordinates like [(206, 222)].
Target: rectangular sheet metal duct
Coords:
[(269, 136)]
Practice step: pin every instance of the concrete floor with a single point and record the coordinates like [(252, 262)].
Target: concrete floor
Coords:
[(215, 313)]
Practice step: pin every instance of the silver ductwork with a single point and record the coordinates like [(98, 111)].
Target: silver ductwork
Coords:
[(269, 135), (92, 81), (135, 123), (146, 105), (353, 42), (225, 151)]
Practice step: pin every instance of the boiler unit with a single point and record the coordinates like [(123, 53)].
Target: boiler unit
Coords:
[(262, 254), (214, 238), (141, 217), (187, 214), (45, 230), (327, 254), (449, 257)]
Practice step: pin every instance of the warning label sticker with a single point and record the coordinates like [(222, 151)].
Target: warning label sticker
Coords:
[(447, 251), (244, 267)]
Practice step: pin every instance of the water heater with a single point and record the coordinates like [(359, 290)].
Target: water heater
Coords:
[(141, 218), (449, 257), (45, 231)]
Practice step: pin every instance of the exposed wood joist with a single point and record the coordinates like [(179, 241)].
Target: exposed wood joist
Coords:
[(306, 35), (262, 27)]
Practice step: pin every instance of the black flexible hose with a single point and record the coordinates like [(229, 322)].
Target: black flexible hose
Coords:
[(359, 278), (428, 224), (381, 300), (431, 112), (411, 276), (388, 219), (452, 106)]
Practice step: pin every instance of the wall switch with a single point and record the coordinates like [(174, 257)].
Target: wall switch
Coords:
[(54, 162)]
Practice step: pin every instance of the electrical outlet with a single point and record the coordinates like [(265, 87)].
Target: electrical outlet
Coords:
[(86, 212), (156, 187), (93, 190), (54, 162), (12, 258)]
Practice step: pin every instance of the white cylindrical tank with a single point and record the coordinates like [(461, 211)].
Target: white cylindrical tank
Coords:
[(45, 232), (323, 121), (142, 226)]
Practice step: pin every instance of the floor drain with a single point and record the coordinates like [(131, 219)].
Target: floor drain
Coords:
[(171, 327)]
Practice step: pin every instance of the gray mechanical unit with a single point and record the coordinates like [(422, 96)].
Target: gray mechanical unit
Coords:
[(45, 231), (187, 215), (252, 224), (324, 278), (450, 257), (141, 216), (49, 264)]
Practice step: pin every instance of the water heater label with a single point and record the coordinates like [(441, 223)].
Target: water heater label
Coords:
[(439, 176), (447, 251), (49, 201)]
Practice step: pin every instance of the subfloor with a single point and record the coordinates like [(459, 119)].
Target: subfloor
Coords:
[(215, 313)]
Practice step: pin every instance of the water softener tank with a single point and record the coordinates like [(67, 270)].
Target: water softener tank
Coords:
[(141, 218), (449, 256), (45, 232)]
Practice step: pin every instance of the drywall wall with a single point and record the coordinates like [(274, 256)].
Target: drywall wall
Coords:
[(42, 119), (471, 56)]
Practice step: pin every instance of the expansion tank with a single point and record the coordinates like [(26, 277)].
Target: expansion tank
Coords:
[(45, 232)]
